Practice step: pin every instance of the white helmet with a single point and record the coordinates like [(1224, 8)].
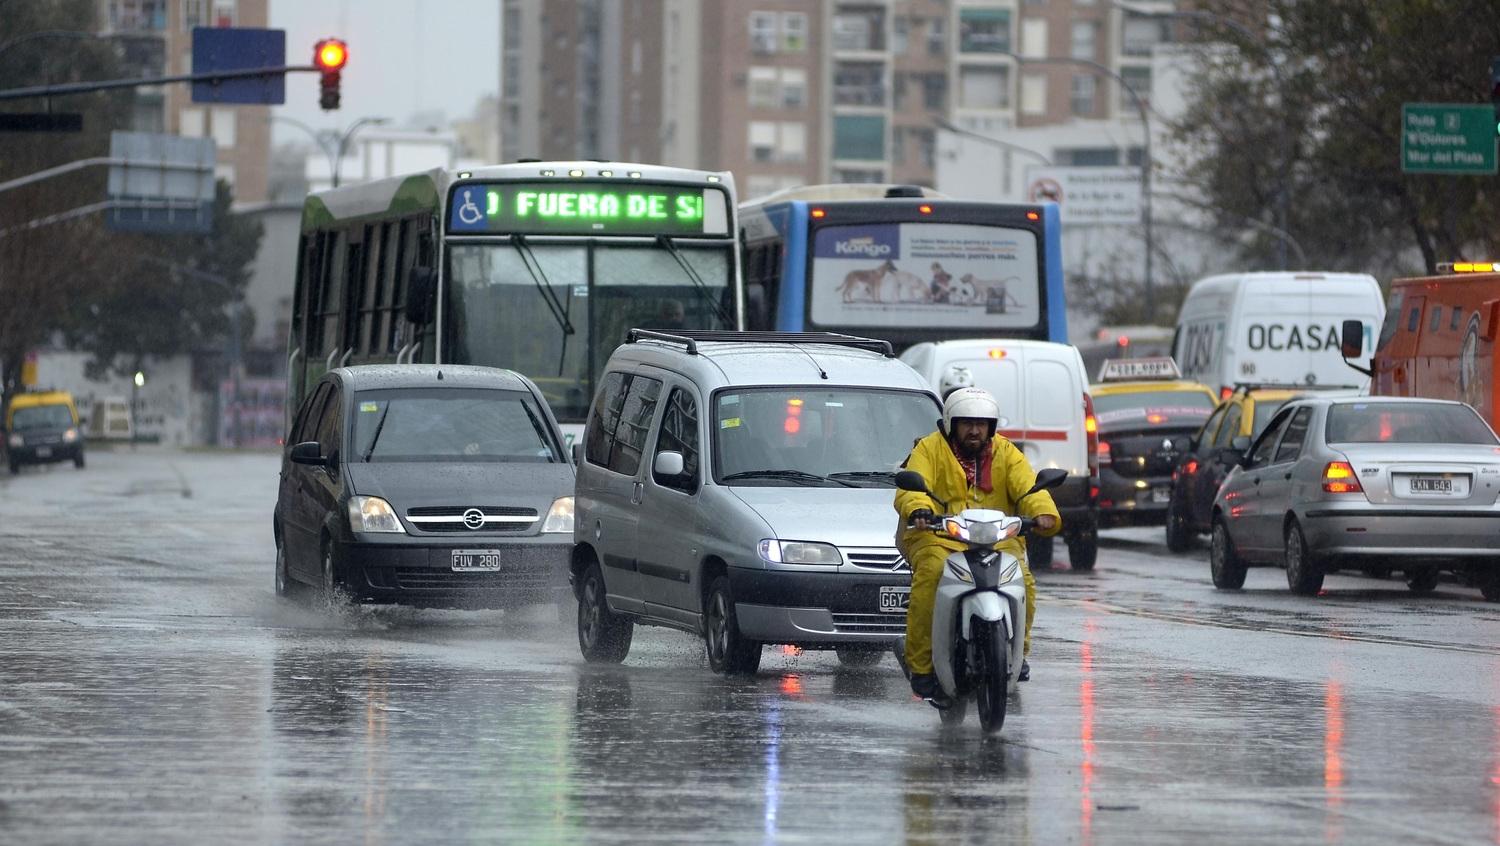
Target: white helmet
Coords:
[(955, 377), (971, 403)]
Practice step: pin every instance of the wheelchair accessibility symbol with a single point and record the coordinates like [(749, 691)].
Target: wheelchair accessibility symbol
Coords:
[(469, 213)]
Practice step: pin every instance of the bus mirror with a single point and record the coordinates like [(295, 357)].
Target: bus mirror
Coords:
[(1352, 339), (420, 282)]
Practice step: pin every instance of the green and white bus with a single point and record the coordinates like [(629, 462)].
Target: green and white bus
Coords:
[(539, 267)]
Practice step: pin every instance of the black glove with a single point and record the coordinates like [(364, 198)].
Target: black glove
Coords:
[(923, 514)]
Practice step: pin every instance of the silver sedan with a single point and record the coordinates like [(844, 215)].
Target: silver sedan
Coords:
[(1362, 481)]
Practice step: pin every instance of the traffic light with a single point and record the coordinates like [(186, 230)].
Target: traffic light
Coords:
[(1495, 90), (329, 55)]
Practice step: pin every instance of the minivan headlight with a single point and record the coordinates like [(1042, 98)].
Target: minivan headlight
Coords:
[(799, 552), (16, 441), (70, 436), (559, 516), (372, 514)]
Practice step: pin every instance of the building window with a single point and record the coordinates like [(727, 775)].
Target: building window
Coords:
[(937, 36), (1033, 94), (1083, 96), (192, 123), (935, 91), (1088, 157), (858, 176), (1034, 38), (1085, 40), (901, 36), (860, 137), (1138, 79), (762, 140), (794, 31), (984, 30), (859, 30), (193, 14), (791, 146), (898, 145), (793, 87), (899, 81), (763, 88), (1140, 34), (224, 12), (224, 127), (859, 84), (763, 33), (984, 88), (926, 147)]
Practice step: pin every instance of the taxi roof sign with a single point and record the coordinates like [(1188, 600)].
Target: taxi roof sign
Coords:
[(1128, 369)]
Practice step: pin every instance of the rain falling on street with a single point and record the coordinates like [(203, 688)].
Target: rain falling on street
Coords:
[(155, 690)]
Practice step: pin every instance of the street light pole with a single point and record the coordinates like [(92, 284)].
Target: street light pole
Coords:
[(335, 151), (338, 157), (1140, 108)]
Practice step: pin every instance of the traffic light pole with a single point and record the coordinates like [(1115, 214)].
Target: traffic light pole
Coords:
[(90, 87)]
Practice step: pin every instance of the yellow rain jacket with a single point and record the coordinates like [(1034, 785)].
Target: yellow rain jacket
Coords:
[(1010, 477)]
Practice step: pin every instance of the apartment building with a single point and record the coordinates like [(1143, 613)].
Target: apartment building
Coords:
[(156, 38), (785, 93)]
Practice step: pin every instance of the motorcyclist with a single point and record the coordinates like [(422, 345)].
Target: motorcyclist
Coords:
[(968, 465)]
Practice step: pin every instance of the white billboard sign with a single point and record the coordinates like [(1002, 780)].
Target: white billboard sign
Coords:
[(1088, 194)]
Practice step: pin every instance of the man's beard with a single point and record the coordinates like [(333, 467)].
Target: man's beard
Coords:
[(971, 450)]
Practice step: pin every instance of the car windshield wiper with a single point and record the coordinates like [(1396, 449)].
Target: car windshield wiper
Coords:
[(796, 475), (379, 424), (882, 475), (671, 247)]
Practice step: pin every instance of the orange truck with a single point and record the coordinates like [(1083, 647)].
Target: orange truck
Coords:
[(1438, 339)]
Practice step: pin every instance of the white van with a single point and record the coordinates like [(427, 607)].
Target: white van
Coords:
[(1044, 409), (1274, 328)]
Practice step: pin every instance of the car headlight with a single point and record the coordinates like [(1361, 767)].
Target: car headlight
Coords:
[(16, 441), (799, 552), (559, 516), (70, 436), (372, 514)]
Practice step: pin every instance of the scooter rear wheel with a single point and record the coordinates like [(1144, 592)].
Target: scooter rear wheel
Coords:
[(994, 679)]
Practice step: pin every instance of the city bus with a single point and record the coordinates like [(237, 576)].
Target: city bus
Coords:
[(902, 263), (539, 267)]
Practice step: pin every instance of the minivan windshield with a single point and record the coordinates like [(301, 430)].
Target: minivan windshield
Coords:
[(852, 437), (1406, 423), (430, 424), (41, 417)]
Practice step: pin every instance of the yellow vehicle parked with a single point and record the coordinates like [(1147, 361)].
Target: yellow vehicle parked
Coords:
[(40, 428)]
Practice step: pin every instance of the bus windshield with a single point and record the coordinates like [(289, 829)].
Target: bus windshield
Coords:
[(556, 311), (948, 275)]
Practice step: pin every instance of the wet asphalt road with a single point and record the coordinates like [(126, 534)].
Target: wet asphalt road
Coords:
[(153, 690)]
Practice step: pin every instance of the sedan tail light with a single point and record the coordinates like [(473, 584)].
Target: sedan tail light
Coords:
[(1338, 477), (1104, 456)]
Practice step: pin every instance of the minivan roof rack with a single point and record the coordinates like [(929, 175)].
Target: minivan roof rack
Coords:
[(689, 338)]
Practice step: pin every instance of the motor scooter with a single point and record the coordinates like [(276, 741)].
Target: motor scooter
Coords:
[(979, 615)]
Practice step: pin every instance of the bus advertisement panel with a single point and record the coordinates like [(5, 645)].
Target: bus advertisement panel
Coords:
[(925, 274)]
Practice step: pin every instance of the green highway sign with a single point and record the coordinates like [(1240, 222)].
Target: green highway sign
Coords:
[(1447, 138)]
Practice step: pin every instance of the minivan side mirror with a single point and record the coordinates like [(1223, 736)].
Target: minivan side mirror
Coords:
[(308, 452), (668, 465), (420, 283), (1046, 480), (1352, 339)]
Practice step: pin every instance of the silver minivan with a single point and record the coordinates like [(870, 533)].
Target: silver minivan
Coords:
[(739, 486)]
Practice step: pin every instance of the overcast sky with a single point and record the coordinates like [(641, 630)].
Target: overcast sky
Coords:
[(405, 56)]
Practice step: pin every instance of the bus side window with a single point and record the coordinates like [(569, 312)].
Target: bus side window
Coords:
[(406, 251), (354, 278), (370, 293), (330, 296), (426, 352)]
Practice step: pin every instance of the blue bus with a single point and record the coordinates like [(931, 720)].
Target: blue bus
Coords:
[(903, 264)]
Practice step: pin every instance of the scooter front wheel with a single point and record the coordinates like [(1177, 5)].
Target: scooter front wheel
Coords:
[(994, 675)]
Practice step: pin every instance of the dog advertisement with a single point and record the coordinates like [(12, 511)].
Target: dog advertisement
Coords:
[(925, 274)]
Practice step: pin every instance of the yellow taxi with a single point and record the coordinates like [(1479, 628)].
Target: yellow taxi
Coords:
[(42, 427), (1147, 415)]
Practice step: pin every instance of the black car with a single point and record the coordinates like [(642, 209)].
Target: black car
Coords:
[(432, 485), (1144, 428)]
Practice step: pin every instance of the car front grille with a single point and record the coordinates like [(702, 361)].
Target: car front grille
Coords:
[(450, 518), (885, 559), (891, 624)]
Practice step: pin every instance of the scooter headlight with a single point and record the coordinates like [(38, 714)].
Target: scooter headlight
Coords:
[(960, 572), (985, 533)]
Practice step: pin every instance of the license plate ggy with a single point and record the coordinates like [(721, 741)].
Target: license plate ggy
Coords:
[(476, 560), (894, 599)]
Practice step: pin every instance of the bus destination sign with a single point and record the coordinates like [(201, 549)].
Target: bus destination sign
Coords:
[(587, 208)]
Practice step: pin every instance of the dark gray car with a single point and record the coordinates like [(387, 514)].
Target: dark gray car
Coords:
[(425, 485), (1358, 482)]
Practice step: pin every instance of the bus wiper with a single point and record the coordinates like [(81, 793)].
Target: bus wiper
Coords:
[(799, 475), (666, 242), (543, 286), (375, 438)]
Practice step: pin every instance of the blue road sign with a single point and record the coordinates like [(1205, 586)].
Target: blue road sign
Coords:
[(239, 48)]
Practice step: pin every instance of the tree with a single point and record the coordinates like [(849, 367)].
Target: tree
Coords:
[(1308, 102), (158, 300), (43, 270)]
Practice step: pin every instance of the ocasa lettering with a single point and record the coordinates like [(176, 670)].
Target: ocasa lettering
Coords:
[(1281, 337)]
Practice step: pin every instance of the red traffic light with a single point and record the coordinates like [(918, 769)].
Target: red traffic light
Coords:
[(330, 54)]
